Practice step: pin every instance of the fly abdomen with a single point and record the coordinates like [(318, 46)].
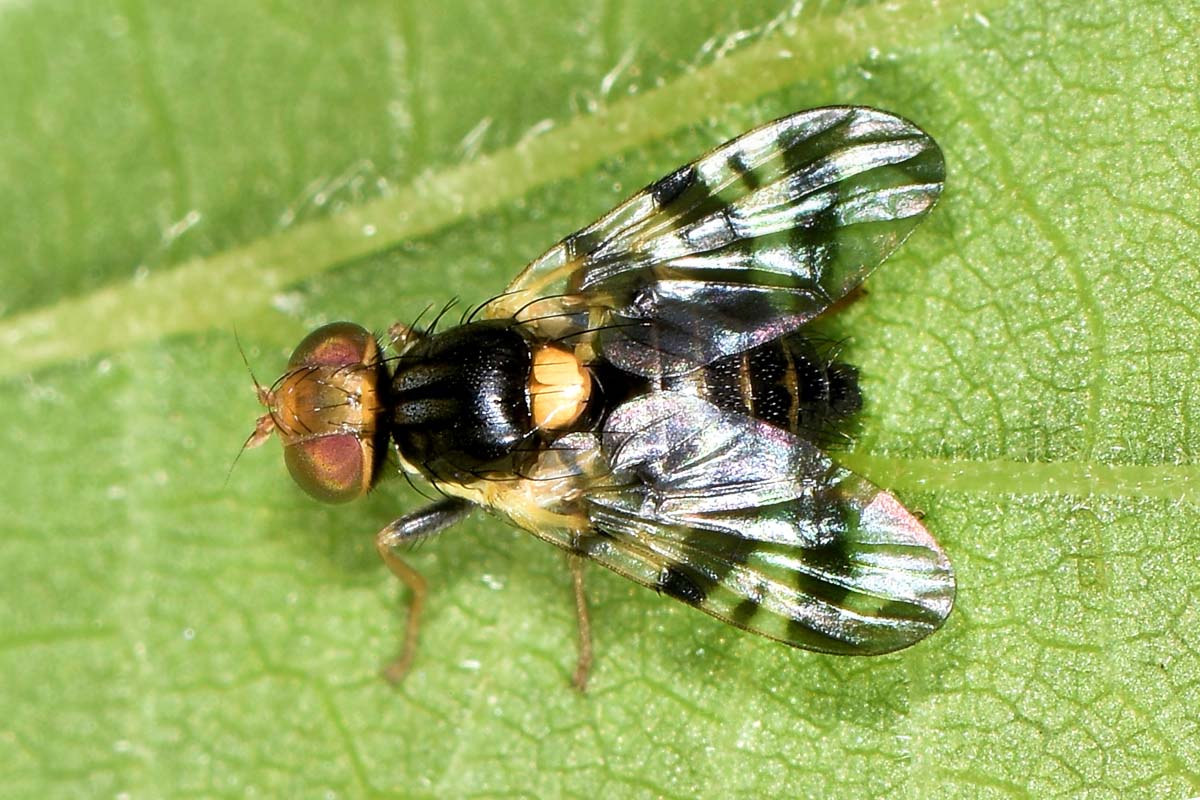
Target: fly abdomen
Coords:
[(461, 397), (791, 382)]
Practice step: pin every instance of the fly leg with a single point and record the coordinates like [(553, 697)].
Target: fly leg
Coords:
[(583, 666), (413, 527)]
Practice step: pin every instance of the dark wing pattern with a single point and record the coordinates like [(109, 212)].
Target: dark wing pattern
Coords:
[(760, 529), (746, 243)]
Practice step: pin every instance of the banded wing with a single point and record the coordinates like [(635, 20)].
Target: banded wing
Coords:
[(743, 245), (760, 529)]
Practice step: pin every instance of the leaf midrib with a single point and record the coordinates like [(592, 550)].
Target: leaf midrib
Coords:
[(219, 290)]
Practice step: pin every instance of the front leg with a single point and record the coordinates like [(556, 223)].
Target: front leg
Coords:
[(413, 527)]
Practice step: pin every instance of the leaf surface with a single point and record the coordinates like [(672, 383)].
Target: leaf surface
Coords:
[(174, 173)]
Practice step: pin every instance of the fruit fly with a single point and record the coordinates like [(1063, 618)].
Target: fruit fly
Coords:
[(648, 395)]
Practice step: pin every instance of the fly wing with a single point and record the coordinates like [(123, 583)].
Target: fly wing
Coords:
[(761, 529), (746, 243)]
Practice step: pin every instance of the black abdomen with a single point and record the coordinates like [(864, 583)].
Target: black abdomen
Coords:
[(792, 383), (461, 400)]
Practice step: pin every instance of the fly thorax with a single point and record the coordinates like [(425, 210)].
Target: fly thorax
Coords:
[(560, 389), (461, 399)]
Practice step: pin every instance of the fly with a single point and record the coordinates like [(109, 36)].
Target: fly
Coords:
[(647, 395)]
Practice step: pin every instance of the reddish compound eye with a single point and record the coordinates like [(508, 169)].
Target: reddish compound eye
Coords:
[(326, 410), (334, 468)]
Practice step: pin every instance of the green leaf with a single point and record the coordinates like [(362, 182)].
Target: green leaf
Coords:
[(176, 171)]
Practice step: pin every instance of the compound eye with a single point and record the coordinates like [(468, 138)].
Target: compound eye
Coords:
[(338, 344), (333, 469)]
